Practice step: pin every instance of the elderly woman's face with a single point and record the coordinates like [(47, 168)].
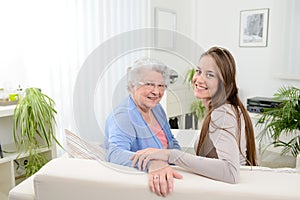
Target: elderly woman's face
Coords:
[(149, 90)]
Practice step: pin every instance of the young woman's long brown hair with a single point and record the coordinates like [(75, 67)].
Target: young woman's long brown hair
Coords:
[(228, 93)]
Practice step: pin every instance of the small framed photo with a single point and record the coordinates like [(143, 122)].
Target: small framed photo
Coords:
[(254, 28)]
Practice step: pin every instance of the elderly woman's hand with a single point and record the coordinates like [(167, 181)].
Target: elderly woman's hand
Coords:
[(142, 157), (161, 177)]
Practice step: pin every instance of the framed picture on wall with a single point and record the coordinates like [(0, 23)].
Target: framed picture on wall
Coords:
[(165, 22), (254, 28)]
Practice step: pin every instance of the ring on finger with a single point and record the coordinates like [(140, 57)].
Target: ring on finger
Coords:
[(155, 177)]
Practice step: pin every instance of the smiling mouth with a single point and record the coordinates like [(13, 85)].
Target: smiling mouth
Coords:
[(152, 98), (200, 87)]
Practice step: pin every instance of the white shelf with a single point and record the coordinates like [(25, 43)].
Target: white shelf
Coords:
[(6, 111), (15, 155), (9, 175), (9, 172)]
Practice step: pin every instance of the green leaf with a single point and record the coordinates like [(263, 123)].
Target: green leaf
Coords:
[(33, 128), (188, 78), (284, 119)]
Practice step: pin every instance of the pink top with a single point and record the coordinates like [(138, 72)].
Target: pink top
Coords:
[(158, 131)]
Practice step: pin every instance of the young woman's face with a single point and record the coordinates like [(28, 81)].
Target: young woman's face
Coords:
[(149, 90), (205, 79)]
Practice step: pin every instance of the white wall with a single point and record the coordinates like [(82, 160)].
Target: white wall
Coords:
[(256, 66), (217, 22), (178, 97)]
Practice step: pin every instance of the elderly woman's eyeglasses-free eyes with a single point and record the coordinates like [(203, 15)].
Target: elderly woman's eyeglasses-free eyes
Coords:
[(152, 85)]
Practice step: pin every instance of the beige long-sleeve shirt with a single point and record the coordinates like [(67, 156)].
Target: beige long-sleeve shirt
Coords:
[(220, 157)]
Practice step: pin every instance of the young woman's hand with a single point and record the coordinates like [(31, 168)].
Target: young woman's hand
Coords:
[(142, 157)]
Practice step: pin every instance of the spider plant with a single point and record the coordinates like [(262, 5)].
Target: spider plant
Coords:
[(283, 121), (34, 120)]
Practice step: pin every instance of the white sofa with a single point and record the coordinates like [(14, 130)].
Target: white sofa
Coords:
[(68, 178), (77, 179)]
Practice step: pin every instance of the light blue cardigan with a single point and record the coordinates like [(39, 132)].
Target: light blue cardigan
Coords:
[(127, 132)]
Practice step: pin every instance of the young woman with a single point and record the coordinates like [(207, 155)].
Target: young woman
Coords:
[(227, 138)]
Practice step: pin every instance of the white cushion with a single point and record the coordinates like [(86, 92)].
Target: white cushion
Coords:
[(79, 148)]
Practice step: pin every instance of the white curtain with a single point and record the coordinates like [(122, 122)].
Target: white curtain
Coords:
[(293, 44), (44, 44)]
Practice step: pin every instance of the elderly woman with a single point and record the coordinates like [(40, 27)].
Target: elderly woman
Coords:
[(140, 122)]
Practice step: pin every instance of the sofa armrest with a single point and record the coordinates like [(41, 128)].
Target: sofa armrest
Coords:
[(23, 191)]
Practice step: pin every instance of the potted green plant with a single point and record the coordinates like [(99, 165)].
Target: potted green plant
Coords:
[(197, 106), (282, 121), (34, 120)]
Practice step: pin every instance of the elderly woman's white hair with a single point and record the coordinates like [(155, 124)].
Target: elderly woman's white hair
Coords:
[(137, 70)]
